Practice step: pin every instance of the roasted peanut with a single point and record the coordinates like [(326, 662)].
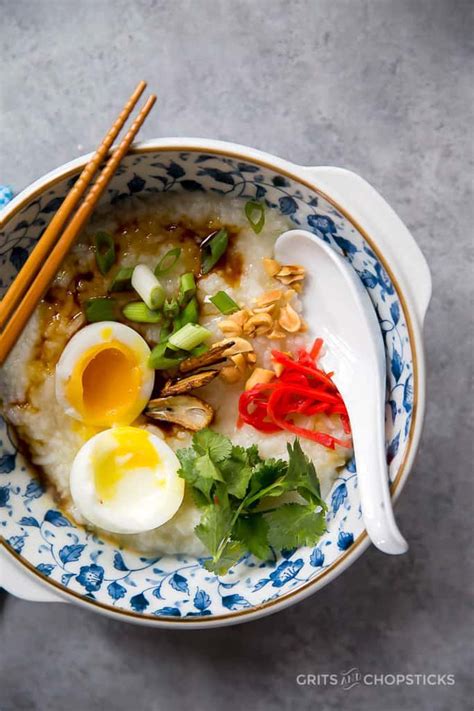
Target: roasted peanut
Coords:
[(289, 320), (259, 375), (271, 266)]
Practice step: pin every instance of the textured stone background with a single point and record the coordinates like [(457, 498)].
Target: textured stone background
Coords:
[(383, 87)]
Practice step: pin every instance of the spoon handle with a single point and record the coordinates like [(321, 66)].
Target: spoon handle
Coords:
[(373, 481)]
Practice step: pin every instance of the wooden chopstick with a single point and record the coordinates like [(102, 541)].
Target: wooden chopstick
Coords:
[(47, 272), (34, 262)]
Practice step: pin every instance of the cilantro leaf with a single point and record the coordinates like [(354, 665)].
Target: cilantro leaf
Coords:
[(231, 554), (301, 475), (265, 475), (201, 486), (207, 469), (213, 444), (229, 481), (294, 525), (200, 497), (215, 525), (252, 531), (237, 472), (186, 459), (253, 455)]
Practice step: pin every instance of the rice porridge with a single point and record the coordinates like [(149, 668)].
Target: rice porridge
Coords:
[(144, 232)]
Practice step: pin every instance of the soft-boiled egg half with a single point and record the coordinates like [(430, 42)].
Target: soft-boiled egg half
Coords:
[(103, 377), (125, 480)]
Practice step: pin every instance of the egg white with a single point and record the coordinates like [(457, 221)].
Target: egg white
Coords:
[(145, 498)]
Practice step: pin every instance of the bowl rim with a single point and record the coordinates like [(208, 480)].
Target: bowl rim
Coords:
[(301, 175)]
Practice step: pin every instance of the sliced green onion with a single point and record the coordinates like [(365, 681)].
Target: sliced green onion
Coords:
[(212, 249), (162, 359), (138, 311), (190, 313), (199, 350), (187, 287), (188, 337), (171, 308), (177, 323), (148, 287), (104, 251), (100, 309), (224, 303), (165, 331), (255, 213), (168, 261), (122, 280)]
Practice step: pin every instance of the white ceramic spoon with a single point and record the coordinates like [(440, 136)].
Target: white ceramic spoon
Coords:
[(339, 310)]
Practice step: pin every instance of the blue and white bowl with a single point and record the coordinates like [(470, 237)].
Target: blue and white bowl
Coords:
[(44, 556)]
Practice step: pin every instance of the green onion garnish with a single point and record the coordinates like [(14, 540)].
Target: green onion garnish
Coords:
[(100, 309), (187, 287), (170, 308), (104, 251), (138, 311), (212, 249), (177, 323), (255, 213), (165, 331), (224, 303), (190, 313), (188, 337), (122, 280), (168, 261), (162, 359), (199, 350), (148, 287)]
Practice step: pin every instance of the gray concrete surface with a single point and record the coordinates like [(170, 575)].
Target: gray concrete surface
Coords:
[(383, 87)]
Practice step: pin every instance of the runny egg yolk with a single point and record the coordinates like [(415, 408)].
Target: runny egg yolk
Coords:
[(105, 383), (132, 450)]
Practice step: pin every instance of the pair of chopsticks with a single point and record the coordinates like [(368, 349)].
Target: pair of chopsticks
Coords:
[(41, 266)]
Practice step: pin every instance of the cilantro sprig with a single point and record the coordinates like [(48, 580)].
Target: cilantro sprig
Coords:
[(234, 486)]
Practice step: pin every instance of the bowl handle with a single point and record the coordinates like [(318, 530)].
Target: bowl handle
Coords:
[(375, 216), (18, 581)]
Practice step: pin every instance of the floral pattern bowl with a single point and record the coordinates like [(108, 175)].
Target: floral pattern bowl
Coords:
[(44, 556)]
